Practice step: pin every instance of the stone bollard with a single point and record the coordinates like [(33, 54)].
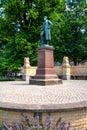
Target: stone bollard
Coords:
[(66, 69), (26, 69)]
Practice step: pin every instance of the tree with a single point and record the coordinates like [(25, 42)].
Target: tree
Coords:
[(70, 40), (21, 26)]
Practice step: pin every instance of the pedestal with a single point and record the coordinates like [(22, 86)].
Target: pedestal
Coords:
[(26, 69), (66, 74), (45, 73)]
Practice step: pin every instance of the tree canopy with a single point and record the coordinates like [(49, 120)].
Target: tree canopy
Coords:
[(20, 27), (70, 36)]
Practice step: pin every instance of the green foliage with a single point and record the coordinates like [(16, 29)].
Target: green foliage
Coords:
[(1, 127), (20, 29), (57, 34), (6, 79), (3, 66), (77, 23), (68, 38)]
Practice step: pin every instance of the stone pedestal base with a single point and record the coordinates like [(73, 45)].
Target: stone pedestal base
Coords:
[(66, 77), (25, 77), (45, 73), (45, 81)]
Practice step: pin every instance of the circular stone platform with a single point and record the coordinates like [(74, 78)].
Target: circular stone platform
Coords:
[(68, 100), (21, 95)]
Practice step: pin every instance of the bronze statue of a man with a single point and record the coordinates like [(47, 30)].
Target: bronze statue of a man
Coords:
[(45, 34)]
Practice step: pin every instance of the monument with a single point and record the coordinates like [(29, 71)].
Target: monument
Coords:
[(45, 73)]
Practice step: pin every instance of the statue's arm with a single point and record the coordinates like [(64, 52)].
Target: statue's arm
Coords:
[(50, 23)]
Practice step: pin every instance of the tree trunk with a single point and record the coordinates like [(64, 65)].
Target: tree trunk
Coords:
[(75, 61)]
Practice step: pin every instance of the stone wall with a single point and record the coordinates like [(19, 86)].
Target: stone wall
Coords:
[(65, 71), (78, 70), (77, 118)]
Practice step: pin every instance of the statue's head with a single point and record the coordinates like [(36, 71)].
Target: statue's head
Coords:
[(45, 18)]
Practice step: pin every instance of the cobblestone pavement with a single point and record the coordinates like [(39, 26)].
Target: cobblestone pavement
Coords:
[(20, 92)]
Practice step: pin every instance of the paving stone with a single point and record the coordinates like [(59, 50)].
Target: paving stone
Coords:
[(20, 92)]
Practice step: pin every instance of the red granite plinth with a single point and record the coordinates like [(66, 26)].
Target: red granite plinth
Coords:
[(45, 73)]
